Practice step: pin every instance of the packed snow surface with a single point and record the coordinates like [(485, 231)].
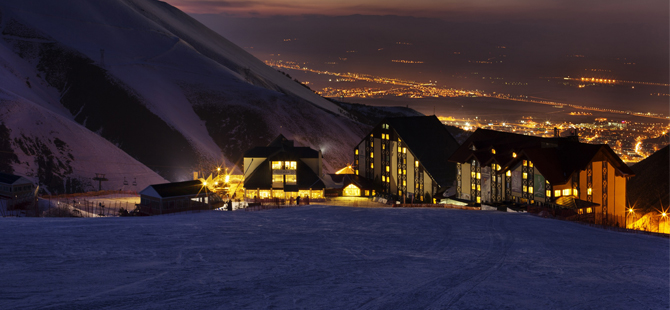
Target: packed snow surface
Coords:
[(321, 257)]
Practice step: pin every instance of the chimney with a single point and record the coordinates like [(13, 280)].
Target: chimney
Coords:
[(556, 135)]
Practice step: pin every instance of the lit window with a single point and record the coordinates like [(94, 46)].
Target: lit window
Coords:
[(421, 198), (508, 173), (367, 192), (404, 150), (404, 172), (479, 187), (557, 193), (525, 188), (399, 171), (399, 193), (383, 178), (356, 152), (530, 189), (548, 193), (493, 151), (388, 169), (399, 149), (589, 191), (351, 191), (356, 171), (373, 192), (416, 163), (404, 183), (473, 174), (383, 146), (372, 165), (372, 143), (291, 165), (479, 199), (514, 154), (277, 178), (567, 191), (291, 179), (575, 192), (530, 163), (525, 175), (276, 165), (479, 176), (589, 210), (372, 154), (473, 186), (580, 211), (372, 135), (498, 167), (525, 163)]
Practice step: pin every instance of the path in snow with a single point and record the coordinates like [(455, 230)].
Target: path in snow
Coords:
[(329, 257)]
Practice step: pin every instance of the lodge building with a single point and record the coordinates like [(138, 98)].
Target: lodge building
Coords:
[(283, 170), (407, 157), (497, 167)]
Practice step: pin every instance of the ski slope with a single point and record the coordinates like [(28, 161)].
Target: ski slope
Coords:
[(321, 257)]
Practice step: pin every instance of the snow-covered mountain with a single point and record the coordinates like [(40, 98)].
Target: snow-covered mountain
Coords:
[(139, 90)]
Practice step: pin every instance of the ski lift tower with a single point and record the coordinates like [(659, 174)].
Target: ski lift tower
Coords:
[(100, 177)]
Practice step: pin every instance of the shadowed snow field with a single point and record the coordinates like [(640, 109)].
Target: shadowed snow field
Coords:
[(321, 257)]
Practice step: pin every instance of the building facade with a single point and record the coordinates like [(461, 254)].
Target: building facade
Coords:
[(283, 170), (406, 157), (496, 167), (175, 197)]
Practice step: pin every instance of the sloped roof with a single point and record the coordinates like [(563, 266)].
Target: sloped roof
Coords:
[(428, 139), (343, 180), (7, 178), (175, 189), (648, 190), (282, 145), (573, 203), (555, 158), (262, 176)]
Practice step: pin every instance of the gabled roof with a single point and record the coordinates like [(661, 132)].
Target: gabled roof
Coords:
[(555, 158), (11, 179), (282, 145), (262, 176), (574, 203), (428, 139), (343, 180), (175, 189)]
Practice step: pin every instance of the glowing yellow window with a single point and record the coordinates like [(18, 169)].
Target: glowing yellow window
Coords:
[(404, 172), (399, 171), (421, 198), (474, 186), (372, 154), (514, 154), (493, 151), (530, 163), (575, 192), (548, 193), (525, 188), (351, 191), (508, 173), (372, 165), (567, 192), (291, 179), (498, 167), (479, 176), (290, 165), (589, 191), (589, 210), (356, 171), (277, 178), (372, 143), (383, 178), (473, 174), (525, 163), (372, 135), (404, 150), (367, 192), (356, 152), (416, 163), (557, 193), (276, 165), (404, 183), (530, 189), (479, 199), (479, 187), (388, 169), (383, 146), (399, 149), (373, 192), (525, 175), (580, 211)]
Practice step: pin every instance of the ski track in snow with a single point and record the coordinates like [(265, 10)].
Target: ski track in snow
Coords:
[(329, 257)]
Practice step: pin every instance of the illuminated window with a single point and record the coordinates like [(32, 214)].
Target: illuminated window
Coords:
[(373, 192), (416, 163), (291, 179), (404, 150), (367, 192), (404, 183), (530, 163), (589, 191), (264, 194), (404, 172), (473, 174), (557, 193), (525, 188), (356, 152), (399, 171), (383, 146), (276, 165), (479, 176), (493, 151), (525, 175), (277, 178), (290, 165), (479, 199), (525, 163), (479, 187), (383, 178), (530, 189), (514, 154), (548, 193), (356, 171), (508, 173), (399, 149), (580, 211), (372, 155), (474, 186), (575, 192), (498, 167), (372, 143), (589, 210), (372, 135), (351, 191), (421, 198), (567, 191), (372, 165)]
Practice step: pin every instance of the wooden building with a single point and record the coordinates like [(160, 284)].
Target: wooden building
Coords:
[(406, 157), (497, 167), (283, 170), (15, 186), (345, 183), (175, 197)]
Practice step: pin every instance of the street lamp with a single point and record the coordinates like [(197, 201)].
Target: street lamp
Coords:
[(664, 217), (630, 212)]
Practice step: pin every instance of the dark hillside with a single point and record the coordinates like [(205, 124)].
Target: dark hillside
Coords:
[(648, 189)]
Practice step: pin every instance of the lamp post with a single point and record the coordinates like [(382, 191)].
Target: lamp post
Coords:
[(630, 212), (664, 216)]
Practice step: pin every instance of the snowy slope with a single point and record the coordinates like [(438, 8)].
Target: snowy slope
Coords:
[(157, 84), (329, 258)]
